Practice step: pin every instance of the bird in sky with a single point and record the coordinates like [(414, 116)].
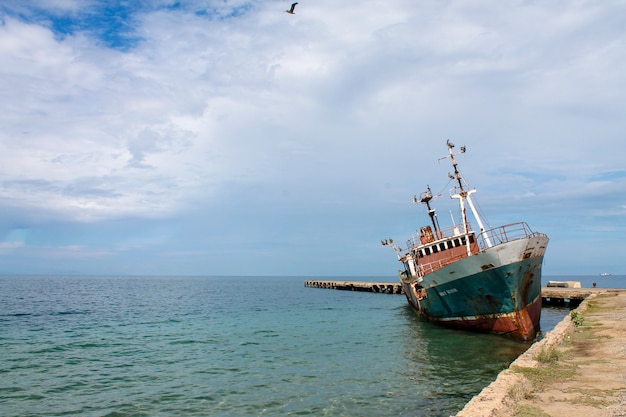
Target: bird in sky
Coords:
[(291, 11)]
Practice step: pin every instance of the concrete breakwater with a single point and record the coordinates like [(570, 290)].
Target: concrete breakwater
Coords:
[(589, 349)]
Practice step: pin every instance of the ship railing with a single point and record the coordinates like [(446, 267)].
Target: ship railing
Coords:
[(506, 233), (497, 236)]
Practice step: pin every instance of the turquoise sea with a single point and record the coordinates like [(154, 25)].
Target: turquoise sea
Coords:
[(234, 346)]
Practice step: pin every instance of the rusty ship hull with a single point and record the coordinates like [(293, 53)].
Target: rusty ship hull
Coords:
[(497, 290)]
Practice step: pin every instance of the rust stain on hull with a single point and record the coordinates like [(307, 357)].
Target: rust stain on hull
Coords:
[(519, 325)]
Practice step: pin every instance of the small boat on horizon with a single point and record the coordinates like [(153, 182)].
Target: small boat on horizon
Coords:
[(486, 280), (605, 274)]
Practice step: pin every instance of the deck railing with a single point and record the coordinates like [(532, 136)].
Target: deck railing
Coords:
[(497, 236), (506, 233)]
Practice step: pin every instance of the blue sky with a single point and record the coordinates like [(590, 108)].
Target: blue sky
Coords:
[(231, 138)]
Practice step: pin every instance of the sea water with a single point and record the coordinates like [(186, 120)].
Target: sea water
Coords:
[(232, 346)]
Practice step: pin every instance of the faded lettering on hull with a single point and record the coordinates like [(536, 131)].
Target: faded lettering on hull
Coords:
[(448, 292)]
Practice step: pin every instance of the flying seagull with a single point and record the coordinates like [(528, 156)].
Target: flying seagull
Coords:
[(290, 11)]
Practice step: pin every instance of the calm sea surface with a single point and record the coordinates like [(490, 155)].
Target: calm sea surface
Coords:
[(228, 346)]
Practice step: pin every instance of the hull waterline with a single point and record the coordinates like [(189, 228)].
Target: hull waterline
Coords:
[(521, 325)]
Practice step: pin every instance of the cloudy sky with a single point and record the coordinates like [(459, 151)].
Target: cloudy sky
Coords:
[(221, 137)]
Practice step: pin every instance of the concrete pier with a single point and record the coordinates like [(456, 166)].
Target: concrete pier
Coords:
[(550, 295), (379, 287), (567, 296)]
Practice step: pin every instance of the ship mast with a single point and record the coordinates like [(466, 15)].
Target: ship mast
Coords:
[(463, 195), (425, 198)]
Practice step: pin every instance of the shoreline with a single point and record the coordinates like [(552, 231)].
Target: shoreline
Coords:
[(505, 395)]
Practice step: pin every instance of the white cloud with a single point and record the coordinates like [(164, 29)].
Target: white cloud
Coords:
[(10, 245), (336, 105)]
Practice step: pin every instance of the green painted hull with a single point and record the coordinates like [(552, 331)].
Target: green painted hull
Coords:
[(496, 291), (504, 299)]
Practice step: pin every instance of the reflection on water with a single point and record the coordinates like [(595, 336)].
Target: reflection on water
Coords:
[(464, 361), (470, 360), (550, 317)]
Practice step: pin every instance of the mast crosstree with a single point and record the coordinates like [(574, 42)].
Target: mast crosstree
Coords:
[(464, 195)]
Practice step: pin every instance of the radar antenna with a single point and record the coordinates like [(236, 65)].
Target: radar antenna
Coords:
[(425, 198)]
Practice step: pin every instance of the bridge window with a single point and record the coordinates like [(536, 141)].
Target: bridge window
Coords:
[(435, 248), (426, 251), (457, 242), (442, 246)]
